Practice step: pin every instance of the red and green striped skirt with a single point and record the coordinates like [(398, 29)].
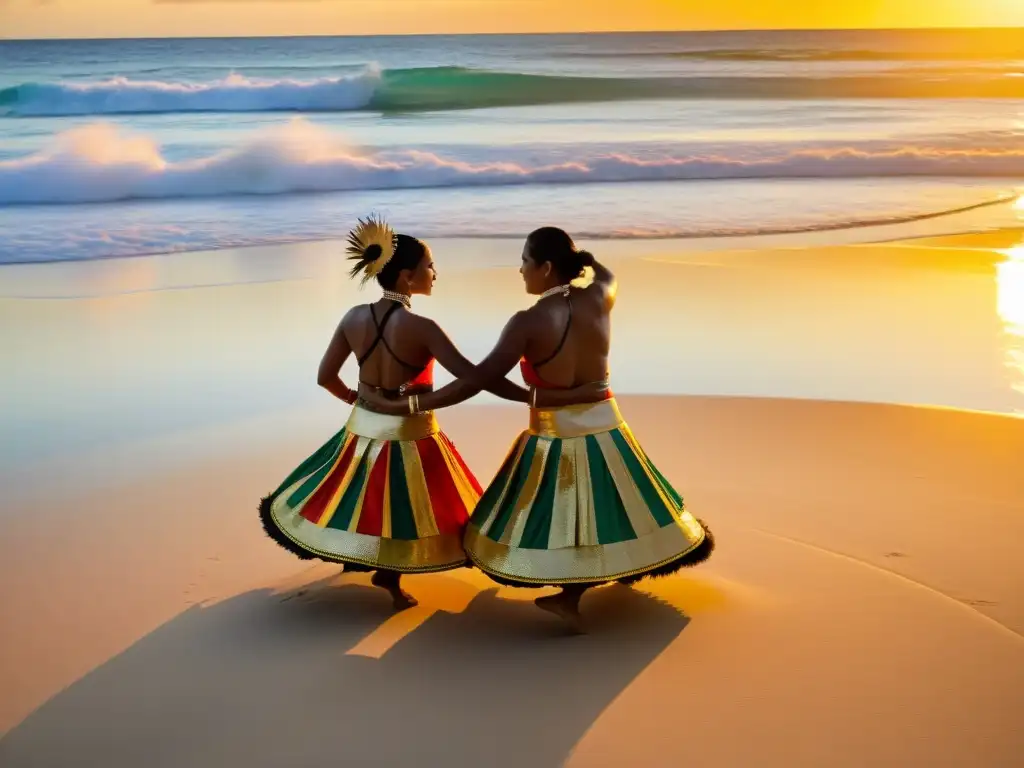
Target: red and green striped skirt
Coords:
[(578, 501), (388, 492)]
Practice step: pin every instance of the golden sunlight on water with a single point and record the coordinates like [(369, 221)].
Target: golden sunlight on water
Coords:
[(1010, 306)]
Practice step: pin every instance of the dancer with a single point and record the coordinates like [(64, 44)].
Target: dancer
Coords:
[(577, 502), (387, 493)]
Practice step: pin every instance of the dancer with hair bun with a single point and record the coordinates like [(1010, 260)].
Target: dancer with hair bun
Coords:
[(577, 502)]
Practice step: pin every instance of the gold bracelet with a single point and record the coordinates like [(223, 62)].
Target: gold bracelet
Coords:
[(412, 408), (533, 397)]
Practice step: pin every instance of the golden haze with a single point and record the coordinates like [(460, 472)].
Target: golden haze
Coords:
[(158, 18)]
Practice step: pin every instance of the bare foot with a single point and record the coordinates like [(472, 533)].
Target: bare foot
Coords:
[(400, 599), (565, 609)]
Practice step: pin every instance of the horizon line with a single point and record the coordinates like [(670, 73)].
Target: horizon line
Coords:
[(530, 34)]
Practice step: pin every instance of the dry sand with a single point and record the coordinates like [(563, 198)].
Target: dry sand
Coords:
[(865, 607)]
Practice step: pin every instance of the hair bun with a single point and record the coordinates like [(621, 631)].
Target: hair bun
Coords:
[(551, 244), (373, 252)]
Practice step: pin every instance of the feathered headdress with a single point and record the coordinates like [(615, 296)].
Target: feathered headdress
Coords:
[(371, 246)]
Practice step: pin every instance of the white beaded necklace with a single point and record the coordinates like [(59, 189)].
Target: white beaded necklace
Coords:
[(401, 298), (562, 289)]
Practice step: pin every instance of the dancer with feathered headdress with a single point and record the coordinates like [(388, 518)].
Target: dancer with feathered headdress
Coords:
[(387, 493)]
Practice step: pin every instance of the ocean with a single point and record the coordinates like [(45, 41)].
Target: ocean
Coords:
[(114, 148)]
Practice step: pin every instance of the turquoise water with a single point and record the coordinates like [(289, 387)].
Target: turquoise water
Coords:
[(121, 148)]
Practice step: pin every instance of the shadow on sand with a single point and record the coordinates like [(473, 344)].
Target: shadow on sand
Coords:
[(263, 679)]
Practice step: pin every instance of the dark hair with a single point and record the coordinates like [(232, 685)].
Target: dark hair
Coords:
[(409, 251), (554, 245), (408, 255)]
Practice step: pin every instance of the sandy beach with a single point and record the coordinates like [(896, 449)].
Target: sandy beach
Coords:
[(846, 418)]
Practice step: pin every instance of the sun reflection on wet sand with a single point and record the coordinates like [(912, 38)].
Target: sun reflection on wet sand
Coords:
[(1010, 306)]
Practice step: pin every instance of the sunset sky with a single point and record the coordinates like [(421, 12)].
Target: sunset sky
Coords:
[(156, 18)]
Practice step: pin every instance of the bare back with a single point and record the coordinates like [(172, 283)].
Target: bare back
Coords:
[(389, 342), (568, 338)]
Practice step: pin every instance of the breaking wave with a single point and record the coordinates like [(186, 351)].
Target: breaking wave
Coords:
[(458, 88), (101, 163)]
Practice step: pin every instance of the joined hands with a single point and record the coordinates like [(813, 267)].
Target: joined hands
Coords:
[(544, 398)]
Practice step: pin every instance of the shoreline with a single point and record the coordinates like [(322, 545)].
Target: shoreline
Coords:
[(111, 352), (873, 231)]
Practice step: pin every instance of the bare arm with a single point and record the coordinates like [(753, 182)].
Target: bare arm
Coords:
[(506, 353), (449, 356), (442, 348), (498, 363), (329, 374), (604, 281)]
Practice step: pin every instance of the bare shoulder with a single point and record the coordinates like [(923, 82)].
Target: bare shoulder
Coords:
[(413, 329), (418, 324), (420, 320), (541, 315), (602, 294), (354, 315), (527, 318)]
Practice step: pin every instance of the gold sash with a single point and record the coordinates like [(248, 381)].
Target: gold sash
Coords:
[(575, 420), (382, 426)]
